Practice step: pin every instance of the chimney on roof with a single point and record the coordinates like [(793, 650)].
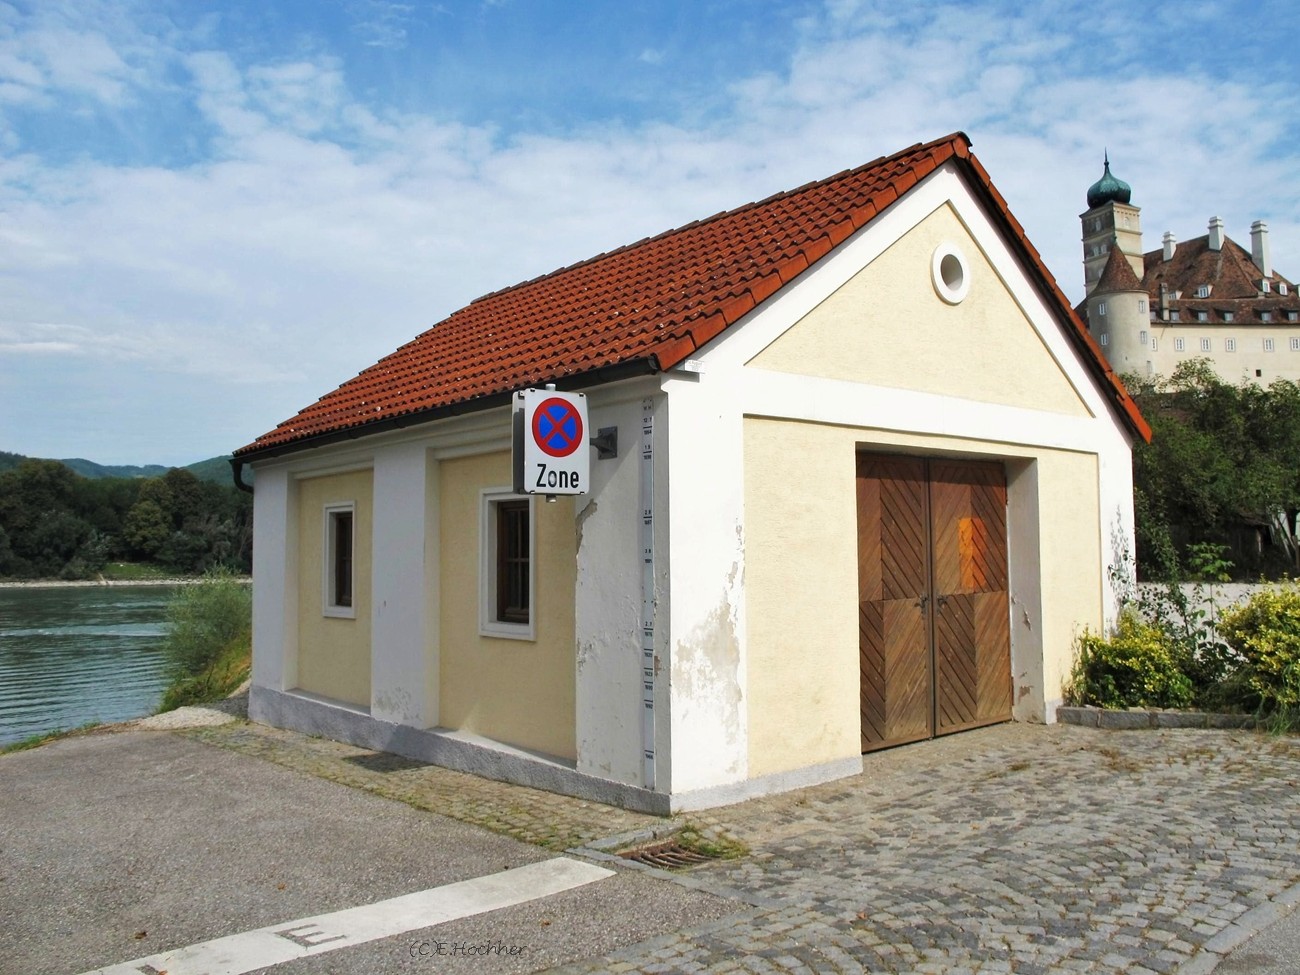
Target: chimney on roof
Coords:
[(1216, 234), (1170, 245), (1259, 248)]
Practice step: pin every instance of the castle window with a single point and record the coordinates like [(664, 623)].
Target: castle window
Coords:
[(1203, 291), (1282, 288), (1295, 345), (1205, 345), (1180, 345), (1268, 345), (1153, 344), (1292, 316), (1173, 314), (1101, 308), (1142, 304), (1142, 337), (1265, 316), (1266, 285), (1202, 316), (1104, 339), (1228, 316), (1229, 345)]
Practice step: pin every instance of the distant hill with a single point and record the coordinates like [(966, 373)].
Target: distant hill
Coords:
[(88, 468), (215, 469)]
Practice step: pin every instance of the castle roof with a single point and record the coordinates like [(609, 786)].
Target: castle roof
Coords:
[(1118, 274), (1230, 278)]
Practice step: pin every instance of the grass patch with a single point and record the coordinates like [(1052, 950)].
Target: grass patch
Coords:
[(209, 647), (35, 741), (133, 571), (712, 843)]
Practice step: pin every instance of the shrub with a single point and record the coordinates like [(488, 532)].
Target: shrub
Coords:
[(1265, 630), (211, 628), (1137, 667)]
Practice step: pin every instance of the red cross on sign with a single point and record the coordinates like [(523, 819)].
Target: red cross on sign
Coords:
[(557, 427)]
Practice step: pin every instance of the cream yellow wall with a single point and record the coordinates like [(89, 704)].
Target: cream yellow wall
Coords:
[(888, 327), (801, 577), (1070, 543), (515, 691), (334, 653)]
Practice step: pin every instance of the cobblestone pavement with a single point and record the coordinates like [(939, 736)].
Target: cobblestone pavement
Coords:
[(1013, 849), (1022, 849)]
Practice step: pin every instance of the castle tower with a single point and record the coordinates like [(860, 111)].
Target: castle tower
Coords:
[(1117, 315), (1110, 221)]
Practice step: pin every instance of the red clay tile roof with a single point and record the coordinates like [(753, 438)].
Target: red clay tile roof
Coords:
[(647, 306)]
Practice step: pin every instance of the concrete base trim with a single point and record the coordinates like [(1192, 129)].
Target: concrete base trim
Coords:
[(445, 747), (766, 785), (1240, 931), (1091, 717), (314, 715)]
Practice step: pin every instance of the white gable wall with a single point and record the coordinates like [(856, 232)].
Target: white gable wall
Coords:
[(708, 405)]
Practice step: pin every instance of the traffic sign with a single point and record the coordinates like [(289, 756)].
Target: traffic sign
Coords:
[(551, 454)]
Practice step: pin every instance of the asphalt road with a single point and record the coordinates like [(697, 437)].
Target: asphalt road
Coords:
[(118, 847)]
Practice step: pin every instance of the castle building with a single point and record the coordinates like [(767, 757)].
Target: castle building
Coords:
[(1207, 297)]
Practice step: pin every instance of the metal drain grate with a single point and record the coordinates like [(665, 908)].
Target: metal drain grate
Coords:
[(666, 856)]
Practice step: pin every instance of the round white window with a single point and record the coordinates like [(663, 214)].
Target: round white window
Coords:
[(948, 269)]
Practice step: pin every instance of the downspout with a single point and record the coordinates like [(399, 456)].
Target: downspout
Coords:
[(237, 469)]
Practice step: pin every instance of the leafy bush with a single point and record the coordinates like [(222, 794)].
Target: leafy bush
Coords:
[(211, 631), (1265, 630), (1137, 667)]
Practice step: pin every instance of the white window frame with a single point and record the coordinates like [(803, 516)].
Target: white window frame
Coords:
[(1295, 345), (1205, 345), (1103, 339), (1229, 345), (1101, 308), (329, 548), (1180, 345), (1268, 345), (1154, 347), (1142, 337), (1142, 304), (488, 624)]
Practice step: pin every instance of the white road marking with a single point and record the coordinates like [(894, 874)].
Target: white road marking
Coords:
[(279, 943)]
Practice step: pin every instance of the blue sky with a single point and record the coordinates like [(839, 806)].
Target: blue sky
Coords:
[(211, 213)]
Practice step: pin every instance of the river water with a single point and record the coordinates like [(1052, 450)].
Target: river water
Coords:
[(75, 655)]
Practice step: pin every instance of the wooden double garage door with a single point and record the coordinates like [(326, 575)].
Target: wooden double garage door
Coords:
[(933, 611)]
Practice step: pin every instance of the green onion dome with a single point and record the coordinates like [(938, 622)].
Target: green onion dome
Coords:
[(1108, 189)]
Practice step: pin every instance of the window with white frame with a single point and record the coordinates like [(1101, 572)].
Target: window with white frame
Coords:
[(1142, 304), (1228, 316), (1229, 345), (506, 576), (1205, 345), (1104, 339), (1180, 345), (1268, 345), (1282, 289), (1153, 344), (1266, 316), (337, 566), (1202, 316), (1295, 345), (1101, 308), (1142, 337)]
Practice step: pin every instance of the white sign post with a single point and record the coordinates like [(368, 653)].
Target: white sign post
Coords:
[(551, 453)]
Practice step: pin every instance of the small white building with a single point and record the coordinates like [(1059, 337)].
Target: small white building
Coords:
[(872, 477)]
